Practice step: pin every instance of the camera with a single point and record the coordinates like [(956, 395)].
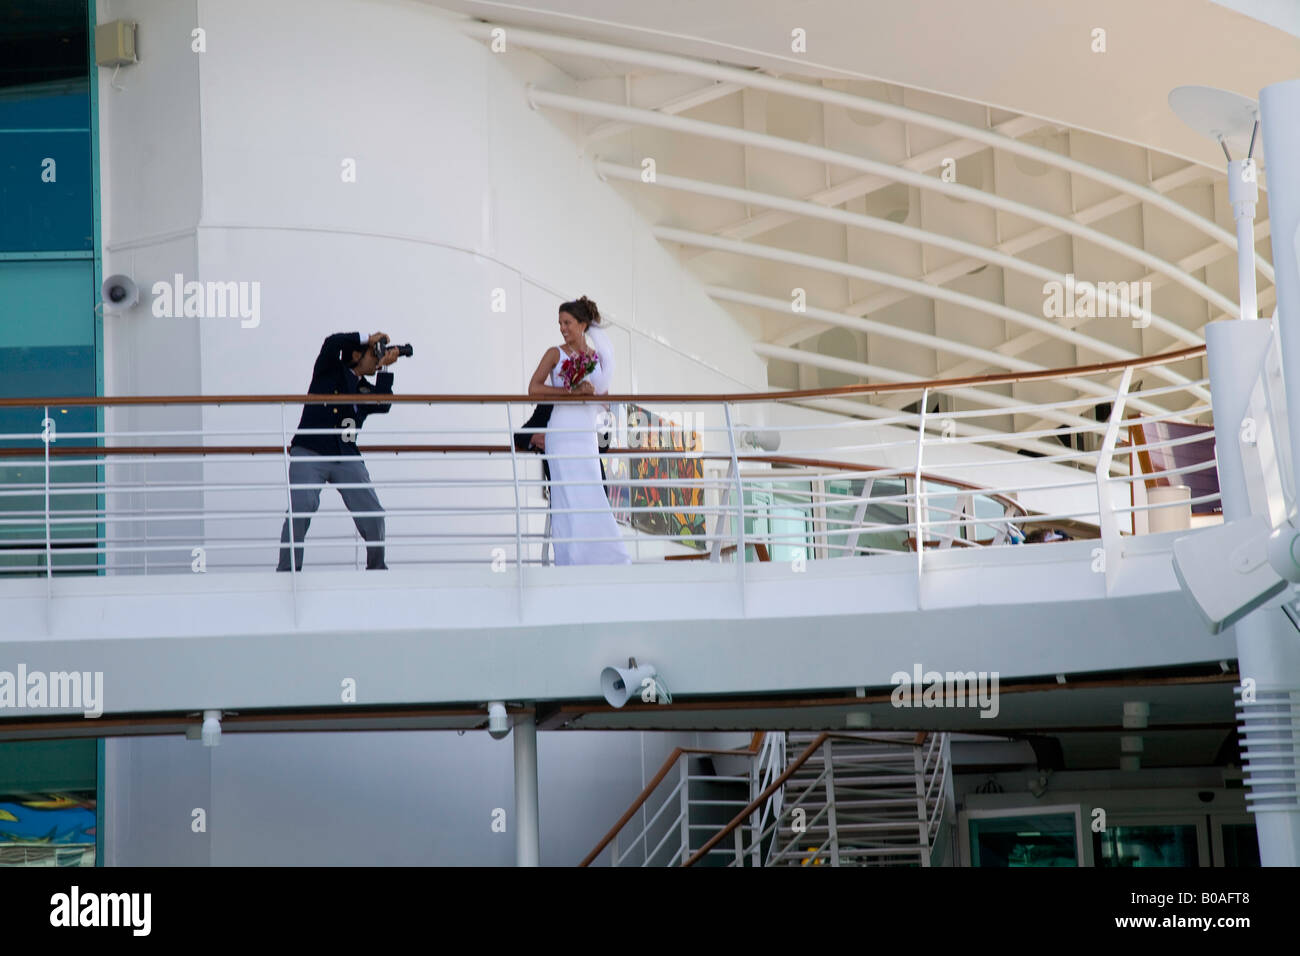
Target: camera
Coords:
[(382, 346)]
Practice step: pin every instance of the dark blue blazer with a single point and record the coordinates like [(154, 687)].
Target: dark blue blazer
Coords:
[(331, 375)]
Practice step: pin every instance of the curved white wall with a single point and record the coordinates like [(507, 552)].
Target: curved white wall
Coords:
[(226, 166)]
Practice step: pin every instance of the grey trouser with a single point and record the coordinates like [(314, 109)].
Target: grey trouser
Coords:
[(309, 468)]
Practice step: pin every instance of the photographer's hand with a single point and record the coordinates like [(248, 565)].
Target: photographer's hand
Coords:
[(376, 337), (391, 355)]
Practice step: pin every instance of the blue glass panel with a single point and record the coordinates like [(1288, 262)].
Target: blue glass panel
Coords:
[(1029, 840), (44, 88), (66, 106), (39, 215), (1156, 844), (47, 348)]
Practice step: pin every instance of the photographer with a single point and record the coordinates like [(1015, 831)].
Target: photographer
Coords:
[(342, 368)]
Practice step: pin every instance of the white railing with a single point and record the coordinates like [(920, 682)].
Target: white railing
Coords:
[(682, 806), (857, 800), (785, 477)]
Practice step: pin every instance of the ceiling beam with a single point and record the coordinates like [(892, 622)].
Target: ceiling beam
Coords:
[(860, 186), (1021, 243), (875, 224), (678, 104), (821, 154), (536, 39)]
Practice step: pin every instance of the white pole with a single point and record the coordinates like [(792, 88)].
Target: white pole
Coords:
[(1279, 107), (1243, 193), (527, 836), (1267, 649)]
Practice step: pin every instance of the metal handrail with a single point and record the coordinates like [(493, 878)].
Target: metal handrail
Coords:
[(758, 485), (669, 762), (1008, 378), (780, 781)]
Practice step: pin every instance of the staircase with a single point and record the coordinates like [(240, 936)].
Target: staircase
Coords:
[(829, 799), (871, 799)]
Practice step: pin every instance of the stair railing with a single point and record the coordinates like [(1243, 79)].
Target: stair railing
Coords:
[(671, 833), (930, 751)]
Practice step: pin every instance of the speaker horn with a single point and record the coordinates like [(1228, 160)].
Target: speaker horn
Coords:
[(621, 684), (119, 293)]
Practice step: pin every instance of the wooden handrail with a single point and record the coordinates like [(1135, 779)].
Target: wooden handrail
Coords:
[(780, 782), (1098, 368), (755, 743)]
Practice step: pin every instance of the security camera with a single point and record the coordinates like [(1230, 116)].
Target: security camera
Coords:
[(1231, 570), (119, 293), (498, 722)]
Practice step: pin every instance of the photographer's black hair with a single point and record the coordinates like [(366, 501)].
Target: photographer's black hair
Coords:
[(583, 310)]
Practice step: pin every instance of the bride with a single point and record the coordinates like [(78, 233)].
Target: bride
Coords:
[(579, 507)]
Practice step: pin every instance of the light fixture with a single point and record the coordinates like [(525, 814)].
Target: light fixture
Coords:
[(1136, 713), (211, 732), (498, 722), (1231, 120)]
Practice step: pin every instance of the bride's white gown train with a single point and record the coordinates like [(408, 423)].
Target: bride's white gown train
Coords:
[(594, 519)]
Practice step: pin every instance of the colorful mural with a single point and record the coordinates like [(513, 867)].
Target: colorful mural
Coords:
[(646, 430), (47, 829)]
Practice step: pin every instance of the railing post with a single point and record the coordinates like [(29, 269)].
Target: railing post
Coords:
[(724, 515), (917, 498), (1106, 521), (740, 503), (519, 540), (920, 760), (755, 788), (685, 764), (49, 551), (144, 475), (830, 803), (288, 487)]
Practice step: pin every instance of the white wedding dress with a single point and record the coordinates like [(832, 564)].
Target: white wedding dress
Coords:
[(593, 517)]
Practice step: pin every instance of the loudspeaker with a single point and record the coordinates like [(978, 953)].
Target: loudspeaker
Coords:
[(1231, 570), (620, 684), (119, 293)]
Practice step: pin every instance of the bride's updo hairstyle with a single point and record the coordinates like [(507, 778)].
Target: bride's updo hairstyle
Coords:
[(583, 310)]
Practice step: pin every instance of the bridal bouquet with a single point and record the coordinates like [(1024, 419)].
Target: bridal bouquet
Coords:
[(577, 367)]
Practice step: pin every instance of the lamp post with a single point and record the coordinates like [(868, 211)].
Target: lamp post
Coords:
[(1232, 121), (1268, 651)]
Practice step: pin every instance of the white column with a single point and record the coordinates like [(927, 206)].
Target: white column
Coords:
[(1268, 648), (527, 838), (1279, 107)]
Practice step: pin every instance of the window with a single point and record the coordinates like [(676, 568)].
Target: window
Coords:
[(1023, 837), (779, 514), (49, 805), (48, 279), (1149, 844)]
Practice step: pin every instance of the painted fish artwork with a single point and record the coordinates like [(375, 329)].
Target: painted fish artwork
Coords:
[(48, 829), (648, 431)]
